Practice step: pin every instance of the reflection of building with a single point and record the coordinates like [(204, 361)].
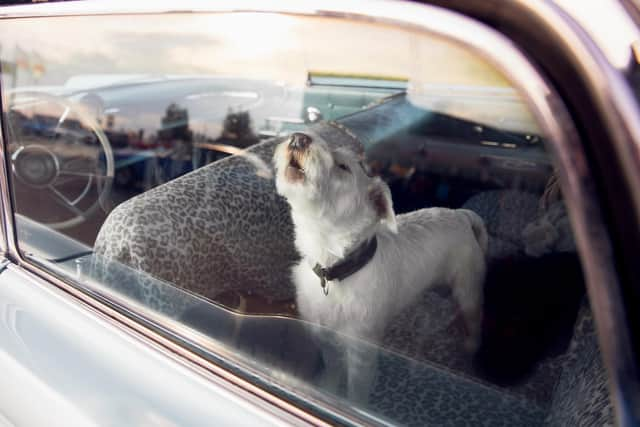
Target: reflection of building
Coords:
[(175, 125), (237, 130), (175, 133), (237, 133), (110, 121)]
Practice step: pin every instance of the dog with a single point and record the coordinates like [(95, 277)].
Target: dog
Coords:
[(361, 265)]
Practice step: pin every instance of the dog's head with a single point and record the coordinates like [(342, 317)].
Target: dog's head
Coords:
[(331, 182)]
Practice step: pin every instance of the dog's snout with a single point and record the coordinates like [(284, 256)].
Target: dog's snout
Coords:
[(299, 141)]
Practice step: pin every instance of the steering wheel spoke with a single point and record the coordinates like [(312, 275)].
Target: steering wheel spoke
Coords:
[(62, 200)]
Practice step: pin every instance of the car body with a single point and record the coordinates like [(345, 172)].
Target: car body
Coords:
[(94, 328)]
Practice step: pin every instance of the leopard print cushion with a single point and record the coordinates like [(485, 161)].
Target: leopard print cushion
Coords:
[(506, 213), (427, 331), (581, 397), (421, 395), (417, 393), (219, 228)]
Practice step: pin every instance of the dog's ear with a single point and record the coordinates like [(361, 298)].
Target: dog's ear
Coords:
[(380, 197)]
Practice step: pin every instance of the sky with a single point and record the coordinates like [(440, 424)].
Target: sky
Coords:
[(272, 46), (275, 47)]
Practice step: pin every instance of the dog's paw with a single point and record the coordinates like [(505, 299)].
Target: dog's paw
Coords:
[(471, 328)]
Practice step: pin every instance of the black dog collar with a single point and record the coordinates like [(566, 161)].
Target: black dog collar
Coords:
[(350, 264)]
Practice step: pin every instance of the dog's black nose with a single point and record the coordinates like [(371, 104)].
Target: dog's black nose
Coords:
[(299, 141)]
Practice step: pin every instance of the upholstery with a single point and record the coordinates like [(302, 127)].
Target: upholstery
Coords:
[(581, 397), (208, 231), (506, 214), (423, 394)]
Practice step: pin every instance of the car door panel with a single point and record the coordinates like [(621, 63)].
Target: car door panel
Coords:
[(77, 369)]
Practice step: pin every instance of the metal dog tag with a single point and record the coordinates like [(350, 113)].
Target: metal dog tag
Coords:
[(323, 280)]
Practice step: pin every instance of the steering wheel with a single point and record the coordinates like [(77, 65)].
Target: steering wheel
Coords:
[(61, 157)]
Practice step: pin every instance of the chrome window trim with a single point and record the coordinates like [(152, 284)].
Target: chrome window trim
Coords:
[(7, 233), (618, 106), (6, 215), (574, 173)]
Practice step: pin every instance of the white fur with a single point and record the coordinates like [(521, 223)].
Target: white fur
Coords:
[(333, 211)]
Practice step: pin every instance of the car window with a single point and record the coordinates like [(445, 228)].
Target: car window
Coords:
[(362, 218)]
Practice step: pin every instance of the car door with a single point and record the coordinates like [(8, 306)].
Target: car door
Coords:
[(149, 251)]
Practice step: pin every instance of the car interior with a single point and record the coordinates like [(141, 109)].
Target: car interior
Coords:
[(537, 329), (176, 216)]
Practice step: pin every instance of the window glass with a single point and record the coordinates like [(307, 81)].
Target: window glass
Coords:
[(362, 218)]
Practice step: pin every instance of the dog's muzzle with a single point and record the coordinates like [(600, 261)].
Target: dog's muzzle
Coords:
[(297, 148)]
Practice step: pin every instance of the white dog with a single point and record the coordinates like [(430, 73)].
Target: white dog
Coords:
[(361, 264)]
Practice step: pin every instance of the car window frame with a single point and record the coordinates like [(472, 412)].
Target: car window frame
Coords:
[(578, 183), (603, 105)]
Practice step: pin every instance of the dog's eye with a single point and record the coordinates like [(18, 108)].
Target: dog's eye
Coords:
[(344, 167)]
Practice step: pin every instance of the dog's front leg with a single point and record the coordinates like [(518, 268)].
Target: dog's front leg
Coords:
[(330, 378), (362, 368)]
